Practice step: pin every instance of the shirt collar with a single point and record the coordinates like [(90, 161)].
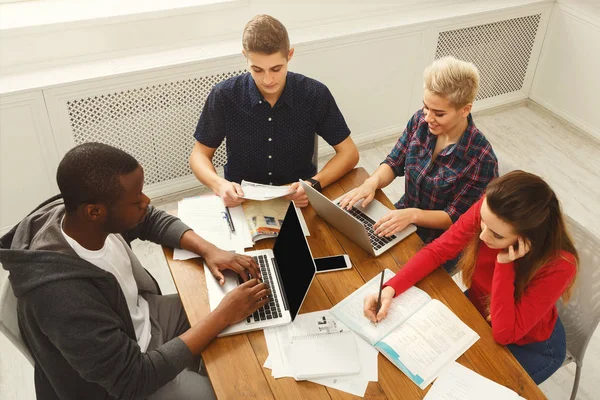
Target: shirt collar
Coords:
[(287, 96), (255, 95), (460, 148)]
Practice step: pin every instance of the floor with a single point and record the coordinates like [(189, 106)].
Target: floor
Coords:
[(524, 135)]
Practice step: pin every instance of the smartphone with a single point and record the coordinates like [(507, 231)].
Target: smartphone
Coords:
[(333, 263)]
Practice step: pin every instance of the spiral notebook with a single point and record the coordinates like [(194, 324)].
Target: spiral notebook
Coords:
[(319, 356)]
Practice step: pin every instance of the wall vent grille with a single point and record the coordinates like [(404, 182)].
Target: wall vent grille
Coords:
[(138, 120), (501, 50)]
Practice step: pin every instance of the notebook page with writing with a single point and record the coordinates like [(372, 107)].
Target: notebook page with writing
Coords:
[(457, 382), (319, 356), (351, 310), (427, 342)]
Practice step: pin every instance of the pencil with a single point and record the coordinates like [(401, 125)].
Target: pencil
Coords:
[(379, 297)]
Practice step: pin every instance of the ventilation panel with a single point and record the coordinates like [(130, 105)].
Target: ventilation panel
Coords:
[(501, 50), (138, 121)]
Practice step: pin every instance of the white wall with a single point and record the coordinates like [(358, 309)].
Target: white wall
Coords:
[(371, 56), (567, 78), (51, 44)]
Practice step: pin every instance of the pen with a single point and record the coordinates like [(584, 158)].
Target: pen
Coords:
[(379, 297), (230, 220)]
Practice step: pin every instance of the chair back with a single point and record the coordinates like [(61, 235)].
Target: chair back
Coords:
[(581, 315), (9, 323)]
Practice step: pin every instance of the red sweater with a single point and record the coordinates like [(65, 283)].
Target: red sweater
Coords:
[(532, 318)]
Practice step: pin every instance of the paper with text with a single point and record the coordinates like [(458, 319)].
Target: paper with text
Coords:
[(351, 309), (427, 341), (457, 382)]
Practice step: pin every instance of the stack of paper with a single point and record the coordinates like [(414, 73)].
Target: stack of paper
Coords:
[(206, 216), (256, 191), (280, 344), (458, 382)]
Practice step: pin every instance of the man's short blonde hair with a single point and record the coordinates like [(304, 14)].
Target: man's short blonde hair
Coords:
[(265, 34), (456, 80)]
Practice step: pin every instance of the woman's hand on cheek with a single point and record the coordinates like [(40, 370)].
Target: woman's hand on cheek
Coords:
[(510, 254)]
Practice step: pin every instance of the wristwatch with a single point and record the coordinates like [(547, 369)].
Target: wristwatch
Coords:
[(315, 184)]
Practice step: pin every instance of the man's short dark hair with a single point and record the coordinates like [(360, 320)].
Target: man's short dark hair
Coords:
[(90, 173)]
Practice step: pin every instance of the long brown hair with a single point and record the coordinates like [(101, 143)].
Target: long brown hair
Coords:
[(526, 202)]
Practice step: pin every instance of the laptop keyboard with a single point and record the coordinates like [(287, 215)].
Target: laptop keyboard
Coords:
[(271, 310), (376, 241)]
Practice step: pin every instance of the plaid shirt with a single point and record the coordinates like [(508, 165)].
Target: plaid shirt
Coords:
[(453, 182)]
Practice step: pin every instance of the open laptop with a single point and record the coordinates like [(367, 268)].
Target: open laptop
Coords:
[(356, 223), (288, 270)]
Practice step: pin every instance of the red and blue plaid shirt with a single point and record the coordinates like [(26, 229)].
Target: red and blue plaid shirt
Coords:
[(453, 182)]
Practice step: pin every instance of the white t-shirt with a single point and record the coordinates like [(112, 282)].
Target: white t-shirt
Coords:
[(113, 258)]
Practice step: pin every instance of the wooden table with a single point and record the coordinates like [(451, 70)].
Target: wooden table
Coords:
[(234, 363)]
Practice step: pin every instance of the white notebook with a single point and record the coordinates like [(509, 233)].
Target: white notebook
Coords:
[(420, 335), (319, 356)]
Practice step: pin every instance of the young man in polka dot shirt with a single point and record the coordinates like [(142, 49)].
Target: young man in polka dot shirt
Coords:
[(269, 118)]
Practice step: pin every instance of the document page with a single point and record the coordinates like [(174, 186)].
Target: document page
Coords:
[(457, 382), (206, 216), (257, 191), (351, 310), (429, 340)]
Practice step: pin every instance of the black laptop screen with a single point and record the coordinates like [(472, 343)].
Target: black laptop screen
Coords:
[(295, 262)]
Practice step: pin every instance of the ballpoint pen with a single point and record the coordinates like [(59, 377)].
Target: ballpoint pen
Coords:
[(230, 220), (224, 214), (378, 307)]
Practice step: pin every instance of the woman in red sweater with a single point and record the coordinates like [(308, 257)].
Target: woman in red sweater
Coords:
[(517, 261)]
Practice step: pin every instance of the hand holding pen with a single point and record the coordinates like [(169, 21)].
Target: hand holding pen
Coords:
[(376, 306)]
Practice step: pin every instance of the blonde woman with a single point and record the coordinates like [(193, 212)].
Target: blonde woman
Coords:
[(446, 160)]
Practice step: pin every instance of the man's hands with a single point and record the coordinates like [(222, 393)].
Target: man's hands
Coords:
[(370, 304), (231, 193), (394, 221), (218, 260), (243, 301), (299, 196), (365, 191)]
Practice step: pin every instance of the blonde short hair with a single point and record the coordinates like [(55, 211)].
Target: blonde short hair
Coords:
[(456, 80), (266, 35)]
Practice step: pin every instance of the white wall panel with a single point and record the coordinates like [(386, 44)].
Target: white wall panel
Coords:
[(371, 80), (28, 157), (567, 78)]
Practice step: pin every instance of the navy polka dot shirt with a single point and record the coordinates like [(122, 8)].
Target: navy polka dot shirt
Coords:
[(270, 145)]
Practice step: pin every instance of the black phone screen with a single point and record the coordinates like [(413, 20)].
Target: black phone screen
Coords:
[(330, 263)]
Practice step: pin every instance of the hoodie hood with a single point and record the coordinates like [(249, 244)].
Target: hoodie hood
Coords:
[(36, 253)]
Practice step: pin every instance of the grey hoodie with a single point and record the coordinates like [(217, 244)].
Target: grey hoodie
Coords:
[(74, 317)]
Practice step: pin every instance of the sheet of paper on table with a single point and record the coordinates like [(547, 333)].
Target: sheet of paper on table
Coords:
[(278, 340)]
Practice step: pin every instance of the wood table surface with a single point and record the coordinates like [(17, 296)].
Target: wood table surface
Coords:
[(234, 363)]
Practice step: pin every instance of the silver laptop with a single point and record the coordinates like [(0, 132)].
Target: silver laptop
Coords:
[(356, 223), (288, 270)]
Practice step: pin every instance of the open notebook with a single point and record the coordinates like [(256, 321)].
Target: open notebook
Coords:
[(420, 335)]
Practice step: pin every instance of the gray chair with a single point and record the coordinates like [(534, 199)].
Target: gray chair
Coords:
[(581, 315), (9, 324)]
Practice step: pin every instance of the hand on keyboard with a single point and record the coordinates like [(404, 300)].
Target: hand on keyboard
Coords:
[(243, 301), (218, 260), (394, 221), (365, 191)]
